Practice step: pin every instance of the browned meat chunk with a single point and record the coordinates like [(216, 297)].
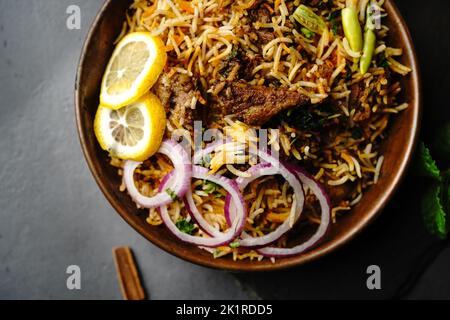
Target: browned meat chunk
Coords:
[(357, 102), (240, 66), (265, 36), (262, 15), (176, 95), (259, 13), (341, 193), (249, 64), (255, 105), (356, 92), (163, 91)]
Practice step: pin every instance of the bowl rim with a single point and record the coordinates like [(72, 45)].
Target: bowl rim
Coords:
[(354, 231)]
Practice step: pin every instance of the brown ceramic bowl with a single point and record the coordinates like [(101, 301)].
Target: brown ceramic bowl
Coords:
[(398, 148)]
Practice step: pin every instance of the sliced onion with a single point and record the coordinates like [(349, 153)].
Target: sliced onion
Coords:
[(183, 174), (221, 238), (198, 217), (210, 148), (325, 204), (255, 172), (275, 168)]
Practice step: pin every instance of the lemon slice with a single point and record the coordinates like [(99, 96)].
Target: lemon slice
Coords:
[(134, 132), (135, 66)]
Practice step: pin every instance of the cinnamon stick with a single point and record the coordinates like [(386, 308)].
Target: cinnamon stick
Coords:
[(127, 273)]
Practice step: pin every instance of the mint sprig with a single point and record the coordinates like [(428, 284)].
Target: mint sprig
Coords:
[(426, 165), (433, 213), (435, 202)]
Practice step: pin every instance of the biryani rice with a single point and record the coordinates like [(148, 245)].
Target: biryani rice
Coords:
[(343, 154)]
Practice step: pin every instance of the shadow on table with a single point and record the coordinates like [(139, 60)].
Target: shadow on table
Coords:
[(397, 242)]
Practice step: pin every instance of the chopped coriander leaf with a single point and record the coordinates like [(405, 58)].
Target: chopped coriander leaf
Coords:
[(209, 187), (433, 213), (357, 133), (233, 54), (426, 166), (185, 226), (206, 161), (172, 194), (305, 120), (216, 253), (332, 17), (235, 244), (382, 61), (307, 33), (348, 75), (334, 28)]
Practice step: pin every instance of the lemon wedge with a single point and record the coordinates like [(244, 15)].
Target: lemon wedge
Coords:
[(135, 66), (134, 132)]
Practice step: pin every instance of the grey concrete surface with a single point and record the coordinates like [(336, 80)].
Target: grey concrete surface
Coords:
[(51, 212)]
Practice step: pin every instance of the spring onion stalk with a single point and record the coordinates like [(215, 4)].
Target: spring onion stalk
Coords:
[(308, 19), (352, 28), (370, 40)]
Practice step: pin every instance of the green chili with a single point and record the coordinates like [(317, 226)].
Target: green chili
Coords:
[(370, 40), (307, 18), (352, 28)]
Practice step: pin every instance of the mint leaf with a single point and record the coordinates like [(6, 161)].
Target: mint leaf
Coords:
[(433, 212), (426, 166), (445, 192), (185, 226)]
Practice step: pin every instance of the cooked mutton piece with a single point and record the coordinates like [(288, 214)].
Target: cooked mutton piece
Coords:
[(255, 105), (176, 94), (262, 15)]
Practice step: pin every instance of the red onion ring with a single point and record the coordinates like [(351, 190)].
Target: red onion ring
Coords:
[(275, 168), (260, 170), (200, 154), (223, 238), (183, 172), (198, 217), (325, 222)]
